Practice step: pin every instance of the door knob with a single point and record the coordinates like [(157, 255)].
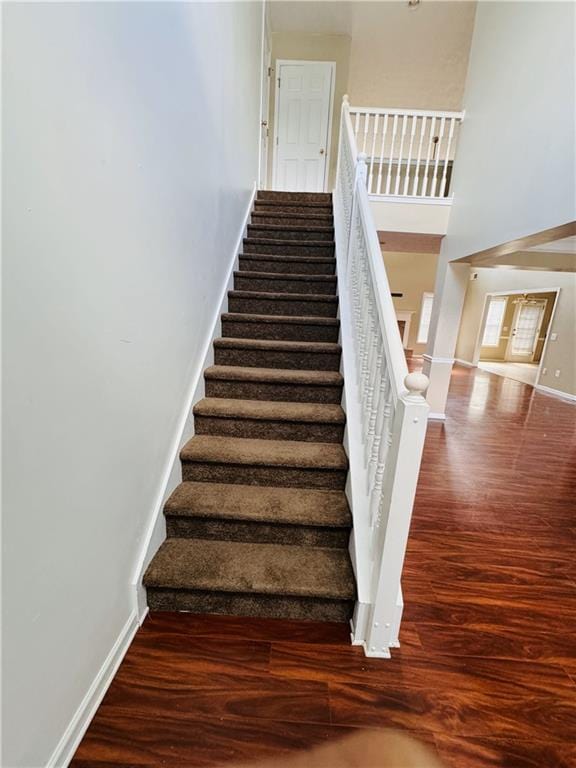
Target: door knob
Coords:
[(264, 123), (321, 151)]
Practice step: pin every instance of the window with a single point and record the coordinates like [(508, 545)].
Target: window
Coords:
[(494, 320), (425, 315)]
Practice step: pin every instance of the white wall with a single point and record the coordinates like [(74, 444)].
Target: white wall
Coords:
[(514, 167), (130, 152)]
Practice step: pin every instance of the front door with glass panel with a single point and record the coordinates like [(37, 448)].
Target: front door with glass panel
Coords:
[(525, 331), (302, 120)]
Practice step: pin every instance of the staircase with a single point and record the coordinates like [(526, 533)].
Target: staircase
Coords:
[(260, 524)]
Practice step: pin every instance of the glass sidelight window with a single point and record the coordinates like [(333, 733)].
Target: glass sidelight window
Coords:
[(494, 320)]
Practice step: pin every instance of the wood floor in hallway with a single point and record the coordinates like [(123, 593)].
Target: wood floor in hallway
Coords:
[(487, 670)]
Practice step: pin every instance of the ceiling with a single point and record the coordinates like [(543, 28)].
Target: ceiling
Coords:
[(327, 17)]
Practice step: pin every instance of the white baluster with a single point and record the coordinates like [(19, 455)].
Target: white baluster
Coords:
[(428, 155), (412, 134), (447, 156), (400, 155), (391, 158), (382, 150), (423, 124), (356, 125), (433, 188), (366, 124), (373, 151)]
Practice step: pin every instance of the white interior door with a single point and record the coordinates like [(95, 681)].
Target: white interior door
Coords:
[(303, 100), (264, 117), (526, 329)]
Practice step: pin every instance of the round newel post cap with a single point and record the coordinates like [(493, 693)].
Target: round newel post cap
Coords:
[(416, 384), (362, 157), (345, 99)]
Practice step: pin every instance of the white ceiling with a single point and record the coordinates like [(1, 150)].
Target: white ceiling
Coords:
[(566, 245), (327, 17)]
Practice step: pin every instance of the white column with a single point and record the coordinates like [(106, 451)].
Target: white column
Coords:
[(451, 284)]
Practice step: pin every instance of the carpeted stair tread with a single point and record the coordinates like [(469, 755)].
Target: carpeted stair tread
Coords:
[(318, 347), (273, 194), (284, 506), (269, 453), (271, 296), (262, 410), (301, 243), (280, 276), (289, 258), (245, 317), (322, 219), (274, 375), (238, 567), (290, 228)]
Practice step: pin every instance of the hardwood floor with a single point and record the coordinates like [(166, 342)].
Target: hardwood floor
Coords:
[(487, 669)]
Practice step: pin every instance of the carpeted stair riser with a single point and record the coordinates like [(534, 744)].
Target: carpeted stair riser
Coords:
[(258, 532), (309, 197), (295, 305), (281, 283), (287, 248), (283, 393), (269, 358), (234, 327), (293, 219), (302, 209), (284, 232), (254, 605), (287, 265), (259, 429), (283, 477)]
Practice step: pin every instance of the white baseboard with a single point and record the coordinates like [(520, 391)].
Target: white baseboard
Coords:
[(465, 363), (556, 393), (79, 723), (436, 416), (172, 475)]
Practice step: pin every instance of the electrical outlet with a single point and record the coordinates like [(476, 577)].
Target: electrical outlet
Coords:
[(557, 373), (544, 371), (553, 336)]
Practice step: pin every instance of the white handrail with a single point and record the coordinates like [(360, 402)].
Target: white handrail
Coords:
[(386, 410), (407, 111), (411, 150)]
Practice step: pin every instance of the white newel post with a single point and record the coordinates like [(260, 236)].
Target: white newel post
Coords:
[(391, 536)]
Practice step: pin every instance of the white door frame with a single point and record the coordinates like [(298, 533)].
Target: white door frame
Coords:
[(264, 98), (488, 296), (508, 353), (279, 63)]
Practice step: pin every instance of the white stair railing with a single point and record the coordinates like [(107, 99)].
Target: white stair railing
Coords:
[(409, 151), (386, 410)]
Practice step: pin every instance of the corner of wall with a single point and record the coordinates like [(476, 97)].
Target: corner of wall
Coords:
[(172, 475)]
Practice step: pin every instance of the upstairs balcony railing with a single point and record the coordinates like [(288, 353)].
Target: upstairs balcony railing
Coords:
[(385, 407), (410, 152)]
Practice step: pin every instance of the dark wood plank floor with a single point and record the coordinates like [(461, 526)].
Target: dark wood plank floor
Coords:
[(487, 669)]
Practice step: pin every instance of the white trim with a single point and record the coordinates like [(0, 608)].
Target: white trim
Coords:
[(436, 416), (408, 112), (556, 393), (444, 360), (81, 719), (266, 62), (288, 62), (172, 475), (420, 200), (466, 363)]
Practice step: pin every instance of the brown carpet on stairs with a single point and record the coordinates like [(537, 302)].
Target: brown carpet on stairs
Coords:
[(260, 524)]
